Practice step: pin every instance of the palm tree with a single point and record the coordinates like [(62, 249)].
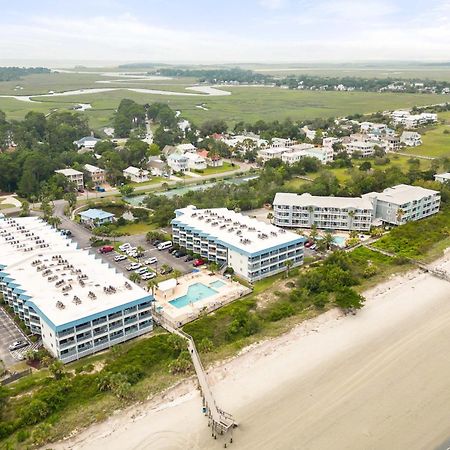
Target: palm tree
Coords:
[(314, 233), (177, 274), (351, 215), (135, 277), (288, 264), (54, 221), (151, 286), (400, 214), (140, 250), (328, 240)]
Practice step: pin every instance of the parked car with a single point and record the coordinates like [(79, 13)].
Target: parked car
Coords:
[(106, 249), (18, 344), (313, 247), (198, 262), (66, 232), (179, 253), (133, 266), (152, 260), (189, 258), (166, 270), (118, 258), (141, 271), (148, 276), (156, 242), (99, 189), (125, 246), (309, 243)]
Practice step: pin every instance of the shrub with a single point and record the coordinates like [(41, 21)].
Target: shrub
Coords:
[(279, 311)]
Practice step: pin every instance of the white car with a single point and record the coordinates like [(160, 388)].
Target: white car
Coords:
[(141, 271), (125, 246), (133, 266), (151, 260), (119, 258), (130, 250), (148, 276)]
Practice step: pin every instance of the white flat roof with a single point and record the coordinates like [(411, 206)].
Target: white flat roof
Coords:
[(63, 263), (234, 229), (443, 175), (402, 193), (92, 169), (304, 200), (68, 172)]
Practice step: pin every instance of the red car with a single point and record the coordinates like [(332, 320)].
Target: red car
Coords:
[(106, 249), (198, 262)]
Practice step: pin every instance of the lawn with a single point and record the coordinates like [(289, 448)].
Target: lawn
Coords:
[(6, 206), (154, 180), (226, 167), (137, 228), (436, 143)]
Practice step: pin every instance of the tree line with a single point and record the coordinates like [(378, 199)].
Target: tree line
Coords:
[(16, 73)]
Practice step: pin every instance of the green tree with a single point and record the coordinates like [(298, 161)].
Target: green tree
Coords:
[(57, 370), (135, 277), (288, 264), (25, 209), (126, 190)]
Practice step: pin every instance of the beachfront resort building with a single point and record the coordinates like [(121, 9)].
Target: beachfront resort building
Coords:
[(411, 139), (74, 301), (74, 176), (253, 249), (395, 206), (442, 177), (404, 203), (136, 175), (97, 175), (334, 213)]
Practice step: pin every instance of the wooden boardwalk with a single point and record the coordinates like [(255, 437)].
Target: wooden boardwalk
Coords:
[(219, 421)]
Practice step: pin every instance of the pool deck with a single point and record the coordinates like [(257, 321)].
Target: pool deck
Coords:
[(226, 293)]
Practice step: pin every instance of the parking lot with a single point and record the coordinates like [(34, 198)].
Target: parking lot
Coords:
[(9, 333), (163, 257)]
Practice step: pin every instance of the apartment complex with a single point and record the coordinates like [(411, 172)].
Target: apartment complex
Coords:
[(74, 176), (396, 205), (403, 203), (334, 213), (75, 302), (365, 149), (442, 177), (254, 250)]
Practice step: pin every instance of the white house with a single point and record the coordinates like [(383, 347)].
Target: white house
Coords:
[(195, 161), (74, 176), (158, 167), (87, 142), (323, 154), (136, 175), (271, 153), (178, 163), (310, 134), (186, 148), (411, 139), (212, 161), (442, 177), (96, 217)]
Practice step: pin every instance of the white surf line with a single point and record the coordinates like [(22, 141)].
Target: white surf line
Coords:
[(200, 92)]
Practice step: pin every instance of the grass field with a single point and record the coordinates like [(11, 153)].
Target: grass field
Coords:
[(137, 228), (244, 103), (226, 167), (436, 143)]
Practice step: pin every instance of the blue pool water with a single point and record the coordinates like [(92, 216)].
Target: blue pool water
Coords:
[(195, 293), (217, 284), (339, 240)]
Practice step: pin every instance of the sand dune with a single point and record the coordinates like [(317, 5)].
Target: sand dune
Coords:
[(377, 380)]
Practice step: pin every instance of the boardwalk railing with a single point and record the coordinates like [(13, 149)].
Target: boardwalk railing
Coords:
[(220, 421)]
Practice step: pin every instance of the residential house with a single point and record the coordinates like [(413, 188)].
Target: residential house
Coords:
[(211, 161), (178, 163), (158, 167), (87, 142), (411, 138), (97, 175), (95, 217), (186, 148), (365, 149), (267, 154), (195, 161), (299, 151), (136, 175), (442, 177), (74, 176)]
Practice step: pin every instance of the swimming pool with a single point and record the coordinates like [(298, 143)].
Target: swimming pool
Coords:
[(195, 293), (339, 241), (217, 284)]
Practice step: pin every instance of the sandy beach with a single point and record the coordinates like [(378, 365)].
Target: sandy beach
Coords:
[(377, 380)]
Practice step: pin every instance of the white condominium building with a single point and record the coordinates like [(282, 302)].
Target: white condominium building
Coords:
[(253, 249), (74, 176), (334, 213), (74, 301), (299, 151), (267, 154), (403, 203), (365, 149)]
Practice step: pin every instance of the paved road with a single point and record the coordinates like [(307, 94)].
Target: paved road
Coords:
[(9, 332)]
